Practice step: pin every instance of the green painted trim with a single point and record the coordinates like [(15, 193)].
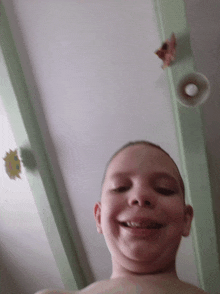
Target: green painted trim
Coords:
[(16, 99), (171, 17)]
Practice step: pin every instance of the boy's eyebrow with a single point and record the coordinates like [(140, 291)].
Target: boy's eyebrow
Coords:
[(153, 175)]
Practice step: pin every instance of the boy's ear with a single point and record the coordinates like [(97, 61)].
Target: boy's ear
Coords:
[(188, 220), (97, 215)]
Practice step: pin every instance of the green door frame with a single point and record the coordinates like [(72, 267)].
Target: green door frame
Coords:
[(171, 17)]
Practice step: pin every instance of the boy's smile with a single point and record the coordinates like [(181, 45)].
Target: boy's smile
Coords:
[(142, 213)]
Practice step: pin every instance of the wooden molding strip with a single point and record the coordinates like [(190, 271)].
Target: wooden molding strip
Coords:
[(171, 18), (16, 99)]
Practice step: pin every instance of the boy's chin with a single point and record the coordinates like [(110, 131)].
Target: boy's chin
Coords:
[(143, 263)]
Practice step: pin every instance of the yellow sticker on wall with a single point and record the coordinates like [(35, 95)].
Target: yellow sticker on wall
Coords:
[(12, 164)]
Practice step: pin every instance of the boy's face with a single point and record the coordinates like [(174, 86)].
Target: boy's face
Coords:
[(142, 193)]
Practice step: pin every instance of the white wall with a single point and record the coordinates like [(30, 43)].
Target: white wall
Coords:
[(96, 84)]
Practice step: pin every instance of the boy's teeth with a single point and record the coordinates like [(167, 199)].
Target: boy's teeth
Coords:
[(139, 225)]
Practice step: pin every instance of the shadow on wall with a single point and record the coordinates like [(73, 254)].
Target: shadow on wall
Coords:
[(27, 156), (8, 283)]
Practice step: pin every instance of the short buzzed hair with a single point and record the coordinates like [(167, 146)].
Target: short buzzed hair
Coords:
[(146, 143)]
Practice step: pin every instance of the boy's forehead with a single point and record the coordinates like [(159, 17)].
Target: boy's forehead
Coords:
[(140, 154)]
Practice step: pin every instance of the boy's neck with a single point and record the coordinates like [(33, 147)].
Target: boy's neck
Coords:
[(169, 273), (160, 276)]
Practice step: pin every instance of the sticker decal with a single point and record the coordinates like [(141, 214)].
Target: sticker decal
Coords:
[(167, 52), (12, 164)]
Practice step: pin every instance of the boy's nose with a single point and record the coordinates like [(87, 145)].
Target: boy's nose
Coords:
[(143, 197)]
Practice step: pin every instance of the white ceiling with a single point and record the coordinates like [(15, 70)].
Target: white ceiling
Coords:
[(97, 84)]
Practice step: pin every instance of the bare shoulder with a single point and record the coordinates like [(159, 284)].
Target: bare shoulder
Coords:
[(189, 288), (127, 287), (54, 291), (57, 291)]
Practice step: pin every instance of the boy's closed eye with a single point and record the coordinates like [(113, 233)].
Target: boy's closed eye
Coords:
[(163, 191), (121, 189)]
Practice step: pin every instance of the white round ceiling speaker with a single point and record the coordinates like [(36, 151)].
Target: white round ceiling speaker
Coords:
[(193, 90)]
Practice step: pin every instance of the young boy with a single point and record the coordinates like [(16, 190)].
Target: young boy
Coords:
[(143, 216)]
